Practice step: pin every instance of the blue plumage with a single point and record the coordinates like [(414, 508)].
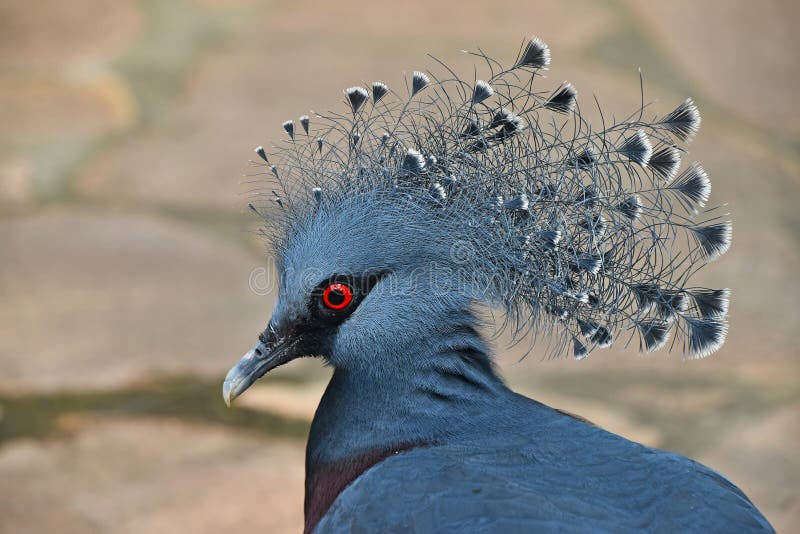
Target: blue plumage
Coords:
[(543, 472), (390, 222)]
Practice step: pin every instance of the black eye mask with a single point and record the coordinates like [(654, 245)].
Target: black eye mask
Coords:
[(337, 297)]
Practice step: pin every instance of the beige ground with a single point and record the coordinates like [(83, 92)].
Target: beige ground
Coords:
[(141, 475), (125, 251)]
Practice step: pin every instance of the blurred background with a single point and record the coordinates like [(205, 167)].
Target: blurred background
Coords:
[(125, 251)]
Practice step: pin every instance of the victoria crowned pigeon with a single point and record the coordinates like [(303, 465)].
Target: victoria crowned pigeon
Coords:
[(399, 222)]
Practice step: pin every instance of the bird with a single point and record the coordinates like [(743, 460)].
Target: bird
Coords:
[(411, 222)]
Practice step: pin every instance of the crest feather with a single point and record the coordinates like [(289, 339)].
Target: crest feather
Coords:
[(572, 228)]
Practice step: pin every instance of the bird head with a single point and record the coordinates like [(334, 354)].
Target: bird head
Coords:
[(390, 219), (359, 285)]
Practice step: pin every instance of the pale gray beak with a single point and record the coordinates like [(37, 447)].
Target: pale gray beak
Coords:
[(253, 365)]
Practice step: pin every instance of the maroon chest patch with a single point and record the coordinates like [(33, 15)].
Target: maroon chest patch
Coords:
[(324, 482)]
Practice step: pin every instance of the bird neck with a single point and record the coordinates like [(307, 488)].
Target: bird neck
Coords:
[(423, 398), (365, 416)]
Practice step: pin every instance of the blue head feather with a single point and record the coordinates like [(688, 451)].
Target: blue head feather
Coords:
[(548, 219)]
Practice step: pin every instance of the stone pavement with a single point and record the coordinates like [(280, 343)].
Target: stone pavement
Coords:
[(125, 250)]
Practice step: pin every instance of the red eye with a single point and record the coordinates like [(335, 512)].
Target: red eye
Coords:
[(337, 296)]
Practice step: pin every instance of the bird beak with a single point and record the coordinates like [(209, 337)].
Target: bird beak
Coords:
[(253, 365)]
